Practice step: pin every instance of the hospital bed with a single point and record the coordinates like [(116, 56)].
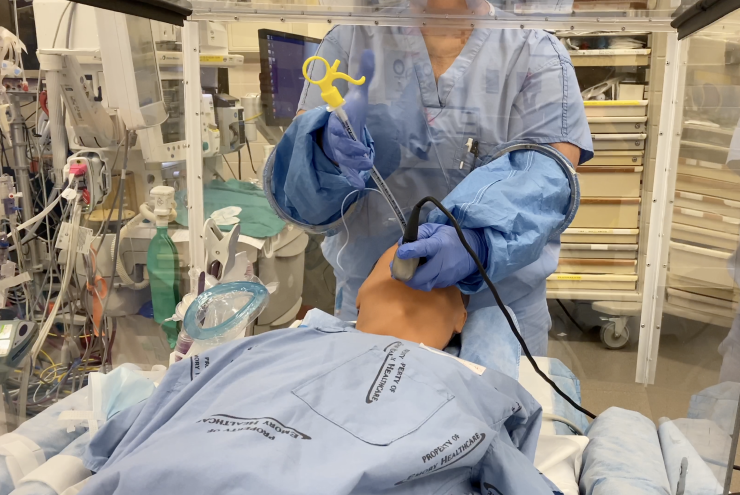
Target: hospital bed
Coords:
[(621, 452)]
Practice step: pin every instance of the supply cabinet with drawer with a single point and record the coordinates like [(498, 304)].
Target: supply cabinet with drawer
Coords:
[(599, 256), (705, 228)]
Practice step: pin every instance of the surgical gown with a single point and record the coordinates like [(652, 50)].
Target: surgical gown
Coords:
[(505, 86)]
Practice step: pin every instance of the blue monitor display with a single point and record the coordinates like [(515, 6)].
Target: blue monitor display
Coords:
[(281, 80)]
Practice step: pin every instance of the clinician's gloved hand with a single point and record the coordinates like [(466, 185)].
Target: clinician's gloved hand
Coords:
[(447, 260), (352, 157)]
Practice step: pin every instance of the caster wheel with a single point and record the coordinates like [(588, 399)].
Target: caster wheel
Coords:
[(610, 339)]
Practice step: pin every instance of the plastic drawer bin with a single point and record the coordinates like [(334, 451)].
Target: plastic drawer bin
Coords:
[(710, 187), (712, 239), (585, 265), (613, 125), (599, 251), (616, 108), (712, 204), (704, 304), (619, 142), (614, 182), (706, 265), (708, 170), (690, 314), (701, 288), (591, 281), (706, 134), (600, 236), (609, 57), (619, 213), (706, 220), (698, 150), (616, 159)]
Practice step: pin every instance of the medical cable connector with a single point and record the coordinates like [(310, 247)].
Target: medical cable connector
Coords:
[(8, 197), (334, 99), (4, 246), (412, 233)]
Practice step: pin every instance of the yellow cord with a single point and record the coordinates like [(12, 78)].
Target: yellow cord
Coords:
[(253, 117), (55, 368), (48, 357)]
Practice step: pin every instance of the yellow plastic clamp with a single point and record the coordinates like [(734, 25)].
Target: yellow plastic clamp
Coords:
[(329, 93)]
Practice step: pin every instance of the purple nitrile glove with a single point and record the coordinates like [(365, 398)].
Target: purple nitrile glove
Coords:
[(447, 261), (353, 158)]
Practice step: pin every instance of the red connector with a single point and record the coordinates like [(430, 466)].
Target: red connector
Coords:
[(78, 168), (43, 98)]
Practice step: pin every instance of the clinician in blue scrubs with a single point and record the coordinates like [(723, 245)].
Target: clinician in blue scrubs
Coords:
[(441, 103)]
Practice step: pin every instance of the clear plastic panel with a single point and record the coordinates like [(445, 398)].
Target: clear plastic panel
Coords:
[(595, 292), (442, 101), (385, 10), (142, 54), (173, 129), (596, 274), (698, 358)]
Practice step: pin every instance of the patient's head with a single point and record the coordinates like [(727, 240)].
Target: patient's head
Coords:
[(389, 307)]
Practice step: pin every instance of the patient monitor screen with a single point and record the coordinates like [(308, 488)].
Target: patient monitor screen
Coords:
[(281, 79)]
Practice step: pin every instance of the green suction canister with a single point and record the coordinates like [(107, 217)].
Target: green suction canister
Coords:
[(163, 265)]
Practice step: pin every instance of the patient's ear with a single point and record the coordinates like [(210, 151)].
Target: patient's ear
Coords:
[(460, 323)]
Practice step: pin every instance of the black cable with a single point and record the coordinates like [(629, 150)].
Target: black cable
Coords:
[(499, 302), (121, 193), (578, 326), (239, 154), (104, 227), (2, 145), (736, 467), (229, 165), (251, 162)]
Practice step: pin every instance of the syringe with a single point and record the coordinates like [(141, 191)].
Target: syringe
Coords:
[(334, 99)]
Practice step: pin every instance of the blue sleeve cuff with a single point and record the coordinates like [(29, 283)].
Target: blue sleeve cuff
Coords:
[(517, 202), (474, 282), (305, 185)]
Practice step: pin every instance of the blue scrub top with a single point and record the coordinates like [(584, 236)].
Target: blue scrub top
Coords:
[(323, 409), (505, 86)]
